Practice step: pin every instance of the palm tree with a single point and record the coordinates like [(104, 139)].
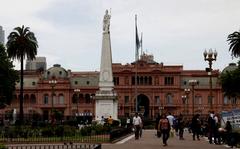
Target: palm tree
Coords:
[(21, 42), (234, 42)]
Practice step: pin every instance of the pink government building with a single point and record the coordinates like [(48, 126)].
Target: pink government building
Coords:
[(157, 87)]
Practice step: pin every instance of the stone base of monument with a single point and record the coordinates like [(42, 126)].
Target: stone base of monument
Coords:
[(106, 105)]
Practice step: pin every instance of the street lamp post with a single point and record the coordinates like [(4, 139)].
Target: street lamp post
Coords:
[(210, 56), (77, 91), (184, 99), (161, 108), (193, 83), (52, 84), (187, 92)]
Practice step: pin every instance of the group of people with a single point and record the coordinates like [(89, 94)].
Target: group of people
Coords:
[(106, 121), (216, 133), (167, 124)]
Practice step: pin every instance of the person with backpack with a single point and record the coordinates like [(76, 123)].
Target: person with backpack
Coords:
[(164, 127)]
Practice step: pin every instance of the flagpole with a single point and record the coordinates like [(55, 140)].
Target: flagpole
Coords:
[(141, 44), (136, 60)]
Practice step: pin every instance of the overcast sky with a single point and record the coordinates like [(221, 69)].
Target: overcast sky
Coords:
[(69, 32)]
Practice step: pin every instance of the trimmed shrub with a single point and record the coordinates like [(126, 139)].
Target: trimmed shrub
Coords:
[(2, 146)]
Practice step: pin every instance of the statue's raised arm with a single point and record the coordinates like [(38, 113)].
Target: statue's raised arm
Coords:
[(106, 22)]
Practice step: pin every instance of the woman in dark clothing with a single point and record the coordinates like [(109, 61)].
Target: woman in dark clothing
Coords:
[(228, 127), (196, 126), (181, 126), (226, 132)]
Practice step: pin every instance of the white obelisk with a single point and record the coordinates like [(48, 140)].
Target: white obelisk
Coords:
[(106, 97)]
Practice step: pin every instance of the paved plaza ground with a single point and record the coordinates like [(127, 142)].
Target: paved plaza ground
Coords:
[(150, 141)]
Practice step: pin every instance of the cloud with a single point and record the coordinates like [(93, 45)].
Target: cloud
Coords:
[(176, 32)]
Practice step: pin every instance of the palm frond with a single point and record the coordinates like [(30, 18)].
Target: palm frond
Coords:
[(234, 42)]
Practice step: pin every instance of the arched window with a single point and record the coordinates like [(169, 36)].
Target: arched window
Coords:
[(209, 100), (87, 97), (169, 99), (150, 80), (74, 98), (234, 100), (91, 98), (225, 100), (32, 99), (141, 80), (61, 99), (26, 97), (198, 99), (81, 98), (133, 80), (145, 80), (138, 80), (45, 99)]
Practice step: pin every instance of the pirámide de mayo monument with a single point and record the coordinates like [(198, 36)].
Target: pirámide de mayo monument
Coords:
[(106, 97)]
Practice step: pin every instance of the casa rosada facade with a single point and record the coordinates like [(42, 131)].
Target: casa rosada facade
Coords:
[(157, 87)]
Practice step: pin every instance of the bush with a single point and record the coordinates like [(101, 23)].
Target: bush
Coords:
[(47, 132), (2, 146), (69, 130), (59, 130), (115, 123)]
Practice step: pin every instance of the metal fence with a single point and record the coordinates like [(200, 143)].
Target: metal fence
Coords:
[(79, 139), (55, 146)]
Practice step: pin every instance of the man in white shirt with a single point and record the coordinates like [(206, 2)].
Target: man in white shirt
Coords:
[(137, 121), (170, 119)]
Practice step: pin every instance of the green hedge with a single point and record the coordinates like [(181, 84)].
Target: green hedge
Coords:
[(2, 146)]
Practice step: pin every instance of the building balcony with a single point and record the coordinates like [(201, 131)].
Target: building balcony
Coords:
[(50, 105)]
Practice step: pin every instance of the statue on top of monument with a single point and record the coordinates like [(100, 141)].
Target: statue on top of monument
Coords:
[(106, 22)]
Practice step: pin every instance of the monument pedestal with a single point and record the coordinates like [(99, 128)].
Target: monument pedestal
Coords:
[(106, 105)]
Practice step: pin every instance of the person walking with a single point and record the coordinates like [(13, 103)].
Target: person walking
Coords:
[(196, 126), (137, 122), (128, 122), (181, 126), (141, 126), (217, 139), (164, 127), (211, 126), (170, 118)]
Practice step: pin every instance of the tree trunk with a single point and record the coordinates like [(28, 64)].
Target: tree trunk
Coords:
[(21, 92)]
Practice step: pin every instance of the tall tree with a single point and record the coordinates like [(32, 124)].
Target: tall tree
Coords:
[(230, 81), (8, 78), (234, 42), (22, 43)]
